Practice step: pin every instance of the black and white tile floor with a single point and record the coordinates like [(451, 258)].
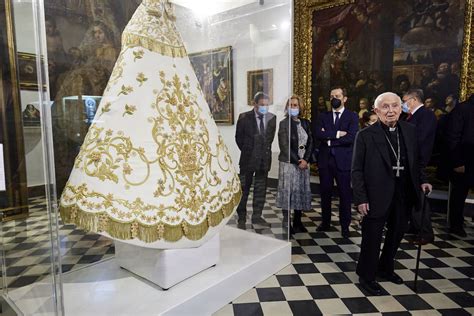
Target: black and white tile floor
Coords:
[(320, 280), (27, 244)]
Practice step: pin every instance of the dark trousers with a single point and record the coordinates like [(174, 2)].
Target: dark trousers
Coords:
[(259, 192), (423, 225), (372, 230), (343, 181), (457, 198)]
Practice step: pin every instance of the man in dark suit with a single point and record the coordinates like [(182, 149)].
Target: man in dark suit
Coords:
[(425, 123), (386, 181), (254, 136), (460, 139), (336, 131)]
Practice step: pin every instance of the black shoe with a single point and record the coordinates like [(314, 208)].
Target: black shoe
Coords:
[(241, 225), (417, 240), (458, 231), (372, 287), (345, 233), (393, 277), (299, 228), (323, 228), (260, 221)]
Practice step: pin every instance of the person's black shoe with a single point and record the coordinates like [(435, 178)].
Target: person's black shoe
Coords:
[(345, 233), (372, 287), (299, 228), (458, 231), (260, 221), (323, 228), (393, 277), (241, 225)]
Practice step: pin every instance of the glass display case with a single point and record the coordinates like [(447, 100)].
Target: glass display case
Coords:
[(101, 105)]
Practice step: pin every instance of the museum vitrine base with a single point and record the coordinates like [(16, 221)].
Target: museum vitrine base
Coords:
[(167, 267), (106, 289)]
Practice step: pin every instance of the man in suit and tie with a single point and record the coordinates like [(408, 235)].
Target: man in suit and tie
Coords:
[(460, 139), (336, 131), (386, 181), (254, 136), (425, 123)]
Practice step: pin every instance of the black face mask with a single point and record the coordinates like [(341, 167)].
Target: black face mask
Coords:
[(335, 103)]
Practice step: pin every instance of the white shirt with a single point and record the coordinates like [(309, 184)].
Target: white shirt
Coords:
[(334, 114), (416, 109), (334, 121)]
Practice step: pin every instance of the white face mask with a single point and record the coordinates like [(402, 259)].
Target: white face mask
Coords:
[(294, 112), (405, 107)]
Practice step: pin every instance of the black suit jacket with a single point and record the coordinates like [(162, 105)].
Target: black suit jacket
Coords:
[(253, 146), (289, 143), (460, 137), (425, 123), (373, 180), (348, 122)]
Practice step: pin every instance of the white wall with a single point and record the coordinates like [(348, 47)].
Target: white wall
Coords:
[(260, 36)]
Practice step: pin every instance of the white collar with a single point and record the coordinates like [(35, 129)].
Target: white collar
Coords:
[(416, 109), (340, 111)]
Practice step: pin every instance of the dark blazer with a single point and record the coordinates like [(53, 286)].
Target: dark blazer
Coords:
[(373, 180), (460, 137), (253, 146), (289, 147), (425, 123), (348, 122)]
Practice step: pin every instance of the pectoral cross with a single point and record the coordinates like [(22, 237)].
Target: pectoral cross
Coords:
[(398, 168)]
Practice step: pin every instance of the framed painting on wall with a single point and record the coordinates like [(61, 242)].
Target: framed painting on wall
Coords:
[(213, 70), (364, 47), (27, 72), (259, 81)]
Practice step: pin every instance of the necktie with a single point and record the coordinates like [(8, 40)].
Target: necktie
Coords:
[(262, 126), (409, 116), (337, 118)]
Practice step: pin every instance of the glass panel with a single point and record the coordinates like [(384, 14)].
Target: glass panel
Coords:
[(238, 55), (30, 253)]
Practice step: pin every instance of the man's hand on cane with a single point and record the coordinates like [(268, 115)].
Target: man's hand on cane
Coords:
[(426, 188)]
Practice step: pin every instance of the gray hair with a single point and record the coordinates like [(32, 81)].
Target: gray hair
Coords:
[(415, 93), (380, 98)]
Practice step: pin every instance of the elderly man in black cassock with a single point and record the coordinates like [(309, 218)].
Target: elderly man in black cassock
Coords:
[(386, 180)]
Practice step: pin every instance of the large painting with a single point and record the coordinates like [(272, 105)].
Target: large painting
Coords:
[(370, 47), (259, 81), (213, 69), (365, 47)]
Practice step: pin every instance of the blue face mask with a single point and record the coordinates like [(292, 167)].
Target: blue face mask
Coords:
[(294, 112), (405, 107), (263, 109)]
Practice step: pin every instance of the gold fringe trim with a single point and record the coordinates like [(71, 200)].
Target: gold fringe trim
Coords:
[(103, 222), (134, 40)]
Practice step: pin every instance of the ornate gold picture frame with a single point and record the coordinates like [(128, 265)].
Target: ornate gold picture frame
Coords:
[(259, 80), (439, 17)]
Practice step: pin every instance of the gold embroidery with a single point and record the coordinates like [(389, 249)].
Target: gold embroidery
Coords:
[(101, 221), (141, 78), (129, 109), (162, 36)]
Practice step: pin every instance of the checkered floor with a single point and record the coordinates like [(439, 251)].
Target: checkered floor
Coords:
[(27, 243), (321, 279)]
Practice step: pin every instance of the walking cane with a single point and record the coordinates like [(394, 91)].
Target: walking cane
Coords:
[(423, 210)]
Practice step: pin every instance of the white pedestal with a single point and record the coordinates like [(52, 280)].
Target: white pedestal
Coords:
[(105, 289), (167, 267)]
